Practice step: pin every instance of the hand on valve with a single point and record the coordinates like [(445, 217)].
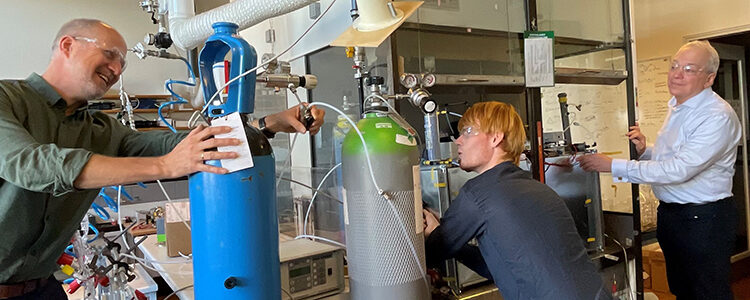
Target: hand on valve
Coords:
[(289, 120)]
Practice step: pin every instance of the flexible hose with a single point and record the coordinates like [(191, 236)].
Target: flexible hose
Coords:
[(312, 200), (180, 99), (315, 237)]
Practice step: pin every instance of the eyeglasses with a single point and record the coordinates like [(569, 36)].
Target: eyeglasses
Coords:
[(469, 131), (688, 69), (112, 54)]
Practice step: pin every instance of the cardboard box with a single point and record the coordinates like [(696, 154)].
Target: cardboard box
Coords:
[(658, 271), (178, 235)]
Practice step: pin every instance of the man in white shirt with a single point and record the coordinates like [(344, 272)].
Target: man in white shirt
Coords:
[(690, 168)]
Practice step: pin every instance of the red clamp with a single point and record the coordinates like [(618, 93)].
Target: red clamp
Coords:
[(65, 259), (73, 286)]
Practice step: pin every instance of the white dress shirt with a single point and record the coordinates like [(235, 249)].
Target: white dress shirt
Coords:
[(693, 158)]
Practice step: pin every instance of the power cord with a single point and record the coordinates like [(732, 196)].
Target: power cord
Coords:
[(627, 268)]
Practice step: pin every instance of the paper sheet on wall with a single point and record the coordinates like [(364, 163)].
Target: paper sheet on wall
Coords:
[(539, 61), (245, 158)]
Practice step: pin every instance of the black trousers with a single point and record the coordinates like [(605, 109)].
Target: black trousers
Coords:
[(698, 241), (51, 291)]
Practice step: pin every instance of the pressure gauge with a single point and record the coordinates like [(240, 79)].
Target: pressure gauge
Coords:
[(409, 80), (428, 80), (429, 106)]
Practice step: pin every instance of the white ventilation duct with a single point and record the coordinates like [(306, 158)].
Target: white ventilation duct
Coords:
[(188, 30)]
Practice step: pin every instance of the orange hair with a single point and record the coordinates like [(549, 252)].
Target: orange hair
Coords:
[(497, 117)]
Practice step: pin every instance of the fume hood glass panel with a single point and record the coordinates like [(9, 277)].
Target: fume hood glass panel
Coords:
[(301, 187), (494, 15), (610, 59), (338, 87), (598, 115), (452, 50), (463, 37), (581, 25), (268, 101)]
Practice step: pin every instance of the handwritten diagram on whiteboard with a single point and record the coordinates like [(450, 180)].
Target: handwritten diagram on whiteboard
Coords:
[(653, 95)]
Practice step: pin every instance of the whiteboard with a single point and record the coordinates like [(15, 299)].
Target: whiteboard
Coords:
[(603, 119), (653, 95)]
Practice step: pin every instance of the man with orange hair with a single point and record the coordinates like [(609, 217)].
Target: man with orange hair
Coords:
[(528, 243)]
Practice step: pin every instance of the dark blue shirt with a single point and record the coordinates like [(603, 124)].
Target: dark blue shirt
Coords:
[(528, 243)]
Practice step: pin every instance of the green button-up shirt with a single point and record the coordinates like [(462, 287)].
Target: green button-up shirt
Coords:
[(42, 151)]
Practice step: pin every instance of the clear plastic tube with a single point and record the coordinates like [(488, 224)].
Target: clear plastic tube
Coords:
[(140, 259), (312, 200), (315, 237)]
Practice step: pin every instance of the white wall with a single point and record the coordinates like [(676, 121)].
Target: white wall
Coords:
[(30, 27), (660, 26), (289, 27)]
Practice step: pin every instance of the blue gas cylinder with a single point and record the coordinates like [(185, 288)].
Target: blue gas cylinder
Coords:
[(233, 216), (241, 96)]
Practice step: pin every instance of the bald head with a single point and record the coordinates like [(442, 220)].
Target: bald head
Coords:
[(80, 27)]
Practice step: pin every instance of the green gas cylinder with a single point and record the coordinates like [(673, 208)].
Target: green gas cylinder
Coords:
[(381, 261)]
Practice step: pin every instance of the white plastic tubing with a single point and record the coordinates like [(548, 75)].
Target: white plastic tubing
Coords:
[(188, 30)]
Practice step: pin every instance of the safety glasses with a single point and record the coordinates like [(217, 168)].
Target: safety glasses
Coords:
[(469, 131), (111, 53)]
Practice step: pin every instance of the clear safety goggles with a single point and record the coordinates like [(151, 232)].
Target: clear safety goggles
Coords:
[(469, 131), (688, 69), (111, 53)]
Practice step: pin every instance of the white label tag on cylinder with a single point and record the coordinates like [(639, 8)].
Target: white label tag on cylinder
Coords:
[(405, 140), (245, 158)]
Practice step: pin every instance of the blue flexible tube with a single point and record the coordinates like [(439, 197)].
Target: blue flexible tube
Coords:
[(180, 100), (96, 234)]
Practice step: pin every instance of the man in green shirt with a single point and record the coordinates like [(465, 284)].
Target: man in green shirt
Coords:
[(55, 154)]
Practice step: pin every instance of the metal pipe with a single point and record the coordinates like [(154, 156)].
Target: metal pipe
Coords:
[(288, 80), (432, 136), (563, 99)]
